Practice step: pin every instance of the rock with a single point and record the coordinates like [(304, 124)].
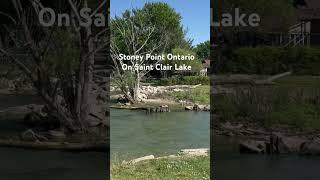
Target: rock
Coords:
[(127, 104), (195, 152), (283, 145), (182, 102), (29, 135), (164, 108), (142, 159), (201, 107), (172, 156), (310, 148), (189, 108), (230, 127), (252, 147), (196, 107), (142, 96), (122, 100), (177, 90), (206, 108), (56, 134)]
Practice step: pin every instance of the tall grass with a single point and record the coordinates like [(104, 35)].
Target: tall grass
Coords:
[(280, 105)]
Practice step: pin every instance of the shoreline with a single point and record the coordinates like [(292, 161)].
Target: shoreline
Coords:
[(254, 139)]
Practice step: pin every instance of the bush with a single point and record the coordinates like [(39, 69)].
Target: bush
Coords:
[(272, 60), (290, 106), (200, 94), (182, 80)]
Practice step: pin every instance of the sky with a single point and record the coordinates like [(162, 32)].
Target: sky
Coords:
[(195, 14)]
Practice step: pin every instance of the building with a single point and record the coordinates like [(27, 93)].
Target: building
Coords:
[(308, 29), (205, 67)]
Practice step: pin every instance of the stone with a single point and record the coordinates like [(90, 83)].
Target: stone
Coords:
[(195, 152), (189, 108), (29, 135), (177, 90), (142, 159), (206, 108), (283, 145), (310, 148), (252, 147), (56, 134), (196, 107), (230, 127), (122, 100)]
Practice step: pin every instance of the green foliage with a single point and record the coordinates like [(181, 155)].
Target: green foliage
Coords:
[(199, 94), (257, 60), (63, 56), (203, 50), (194, 80), (166, 20), (272, 60), (182, 80), (156, 14), (167, 168), (195, 64), (294, 103)]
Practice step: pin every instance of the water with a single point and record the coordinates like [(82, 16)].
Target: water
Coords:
[(229, 164), (135, 134), (17, 164)]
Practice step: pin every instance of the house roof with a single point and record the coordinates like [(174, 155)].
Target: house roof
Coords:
[(206, 63)]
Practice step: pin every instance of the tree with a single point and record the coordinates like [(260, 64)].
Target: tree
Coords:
[(203, 50), (195, 64), (154, 29), (132, 35), (59, 63), (162, 15)]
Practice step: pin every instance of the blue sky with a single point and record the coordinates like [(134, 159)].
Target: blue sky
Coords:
[(195, 14)]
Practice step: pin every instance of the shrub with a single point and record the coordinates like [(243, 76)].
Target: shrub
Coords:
[(272, 60)]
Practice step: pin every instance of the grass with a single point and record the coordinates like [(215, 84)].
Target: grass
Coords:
[(184, 168), (292, 102), (200, 94)]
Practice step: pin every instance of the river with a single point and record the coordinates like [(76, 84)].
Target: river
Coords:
[(135, 134)]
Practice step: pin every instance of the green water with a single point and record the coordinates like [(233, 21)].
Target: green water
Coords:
[(135, 134)]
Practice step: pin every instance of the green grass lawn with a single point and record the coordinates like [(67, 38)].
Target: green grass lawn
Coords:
[(200, 94), (184, 168)]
